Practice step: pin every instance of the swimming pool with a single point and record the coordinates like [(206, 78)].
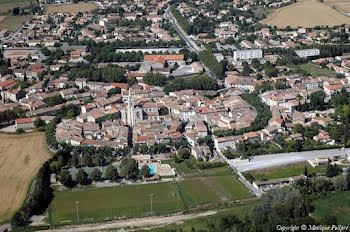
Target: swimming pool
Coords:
[(153, 169)]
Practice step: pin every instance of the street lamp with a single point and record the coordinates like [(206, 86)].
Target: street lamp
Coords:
[(151, 196), (77, 205)]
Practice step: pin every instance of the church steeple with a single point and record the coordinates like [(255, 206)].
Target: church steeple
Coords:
[(130, 110)]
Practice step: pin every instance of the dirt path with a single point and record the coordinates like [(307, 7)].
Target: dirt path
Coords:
[(136, 222)]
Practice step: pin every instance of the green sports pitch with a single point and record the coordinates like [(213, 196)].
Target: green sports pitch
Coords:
[(99, 204)]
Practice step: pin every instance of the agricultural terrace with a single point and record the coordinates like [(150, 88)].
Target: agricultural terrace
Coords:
[(214, 186), (20, 159), (70, 8), (306, 13)]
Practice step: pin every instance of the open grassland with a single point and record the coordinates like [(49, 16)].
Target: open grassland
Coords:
[(20, 159), (342, 5), (70, 8), (13, 23), (129, 201), (284, 171), (213, 186), (314, 70), (337, 204), (306, 13)]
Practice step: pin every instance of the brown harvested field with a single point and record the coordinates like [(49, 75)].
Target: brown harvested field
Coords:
[(20, 159), (342, 5), (70, 8), (306, 13)]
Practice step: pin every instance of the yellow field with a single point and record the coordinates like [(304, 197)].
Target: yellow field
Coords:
[(2, 17), (342, 5), (70, 8), (20, 159), (306, 13)]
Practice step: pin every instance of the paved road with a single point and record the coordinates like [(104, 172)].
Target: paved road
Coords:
[(273, 160), (191, 45)]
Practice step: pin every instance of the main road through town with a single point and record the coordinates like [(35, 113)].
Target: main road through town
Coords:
[(274, 160), (191, 45)]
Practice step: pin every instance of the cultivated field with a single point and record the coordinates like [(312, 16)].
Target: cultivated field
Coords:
[(20, 158), (306, 13), (342, 5), (70, 8), (13, 23), (213, 186)]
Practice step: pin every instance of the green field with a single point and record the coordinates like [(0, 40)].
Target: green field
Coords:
[(337, 204), (213, 186), (289, 170), (13, 23), (315, 70), (129, 201)]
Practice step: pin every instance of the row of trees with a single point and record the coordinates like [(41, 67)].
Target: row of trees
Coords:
[(10, 115), (130, 44), (39, 198), (209, 60), (128, 170)]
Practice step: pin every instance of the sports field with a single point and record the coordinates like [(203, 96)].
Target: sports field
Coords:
[(337, 204), (129, 201), (20, 159), (70, 8), (212, 189), (214, 186), (306, 13)]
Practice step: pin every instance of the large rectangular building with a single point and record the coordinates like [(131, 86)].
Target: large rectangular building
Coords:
[(247, 54), (304, 53)]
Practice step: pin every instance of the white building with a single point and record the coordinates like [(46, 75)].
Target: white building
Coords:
[(307, 52), (247, 54)]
